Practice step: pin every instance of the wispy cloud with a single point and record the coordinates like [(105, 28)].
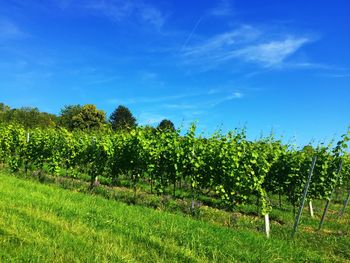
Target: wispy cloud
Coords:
[(199, 106), (148, 75), (152, 15), (223, 42), (191, 33), (244, 44), (33, 75), (188, 108), (9, 30), (224, 8), (221, 10), (118, 10), (104, 80), (229, 97), (204, 101), (185, 104), (138, 100), (214, 50), (148, 118), (271, 53), (337, 75)]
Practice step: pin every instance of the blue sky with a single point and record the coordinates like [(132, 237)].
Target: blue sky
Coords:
[(264, 64)]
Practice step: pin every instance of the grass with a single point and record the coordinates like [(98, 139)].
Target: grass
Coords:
[(45, 223)]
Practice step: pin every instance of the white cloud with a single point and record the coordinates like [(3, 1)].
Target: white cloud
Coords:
[(222, 42), (221, 10), (119, 10), (245, 44), (271, 53), (205, 100), (182, 103), (232, 96), (186, 106), (236, 95)]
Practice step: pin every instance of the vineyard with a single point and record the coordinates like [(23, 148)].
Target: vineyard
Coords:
[(228, 168)]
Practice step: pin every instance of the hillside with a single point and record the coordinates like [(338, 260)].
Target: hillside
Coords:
[(48, 224)]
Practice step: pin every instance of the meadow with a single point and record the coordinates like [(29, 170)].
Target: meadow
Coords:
[(46, 223)]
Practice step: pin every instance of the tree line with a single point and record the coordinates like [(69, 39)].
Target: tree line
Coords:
[(76, 117)]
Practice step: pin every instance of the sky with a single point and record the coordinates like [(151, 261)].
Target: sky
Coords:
[(266, 65)]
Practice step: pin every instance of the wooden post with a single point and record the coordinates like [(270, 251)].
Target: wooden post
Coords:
[(267, 225), (346, 202), (330, 197), (306, 188), (311, 209)]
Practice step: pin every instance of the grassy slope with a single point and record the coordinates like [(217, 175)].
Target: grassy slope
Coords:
[(49, 224)]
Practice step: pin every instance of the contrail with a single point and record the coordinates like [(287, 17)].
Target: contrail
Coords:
[(191, 34)]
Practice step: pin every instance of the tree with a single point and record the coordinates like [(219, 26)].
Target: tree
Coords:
[(4, 107), (149, 128), (67, 114), (29, 117), (89, 117), (3, 111), (122, 119), (166, 125)]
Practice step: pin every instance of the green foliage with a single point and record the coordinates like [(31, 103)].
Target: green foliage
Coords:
[(122, 119), (4, 107), (27, 116), (89, 118), (229, 166), (289, 173), (166, 125), (67, 114)]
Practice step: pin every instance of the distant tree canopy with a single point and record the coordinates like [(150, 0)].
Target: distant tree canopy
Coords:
[(122, 119), (4, 108), (29, 117), (166, 125), (82, 117), (67, 114), (77, 116)]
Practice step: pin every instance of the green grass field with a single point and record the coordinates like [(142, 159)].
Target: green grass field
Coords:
[(45, 223)]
